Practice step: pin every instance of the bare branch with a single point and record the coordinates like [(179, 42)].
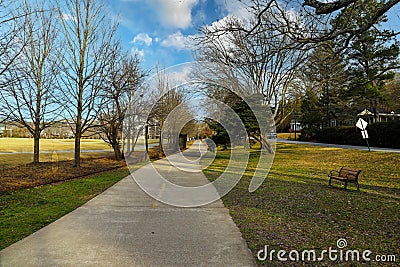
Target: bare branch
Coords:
[(327, 7)]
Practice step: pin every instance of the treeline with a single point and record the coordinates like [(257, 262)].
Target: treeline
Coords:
[(61, 60), (321, 62), (61, 63), (345, 77)]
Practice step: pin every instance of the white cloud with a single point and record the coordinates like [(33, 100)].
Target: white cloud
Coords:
[(139, 53), (174, 13), (234, 11), (180, 76), (238, 9), (176, 40), (66, 16), (142, 37)]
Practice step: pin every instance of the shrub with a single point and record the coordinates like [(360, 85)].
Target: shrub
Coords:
[(385, 134), (343, 135), (308, 133), (382, 134)]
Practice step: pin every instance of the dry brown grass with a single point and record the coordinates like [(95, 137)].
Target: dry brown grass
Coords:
[(9, 144), (16, 176), (31, 175)]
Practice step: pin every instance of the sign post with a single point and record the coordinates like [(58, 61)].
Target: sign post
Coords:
[(362, 124)]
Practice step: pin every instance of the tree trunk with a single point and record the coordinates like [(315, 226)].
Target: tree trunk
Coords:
[(117, 151), (78, 129), (264, 143), (36, 140), (77, 152), (128, 138), (36, 133), (375, 109), (160, 138), (146, 138)]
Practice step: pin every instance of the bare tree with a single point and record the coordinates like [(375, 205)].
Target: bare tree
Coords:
[(88, 50), (257, 63), (322, 7), (167, 101), (125, 76), (310, 21), (10, 25), (29, 94), (134, 122)]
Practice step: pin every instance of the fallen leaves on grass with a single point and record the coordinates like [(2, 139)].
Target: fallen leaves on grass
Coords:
[(33, 175)]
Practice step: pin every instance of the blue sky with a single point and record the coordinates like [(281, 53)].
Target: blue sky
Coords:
[(157, 30)]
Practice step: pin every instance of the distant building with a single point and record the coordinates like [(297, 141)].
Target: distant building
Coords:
[(154, 131), (295, 125), (59, 130), (5, 130), (384, 116)]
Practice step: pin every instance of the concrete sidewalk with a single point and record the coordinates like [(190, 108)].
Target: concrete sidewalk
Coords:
[(125, 227)]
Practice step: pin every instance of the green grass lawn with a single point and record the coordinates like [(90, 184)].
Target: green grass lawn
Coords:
[(25, 211), (294, 209)]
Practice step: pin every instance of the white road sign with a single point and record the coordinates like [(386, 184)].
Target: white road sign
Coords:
[(364, 134), (361, 124)]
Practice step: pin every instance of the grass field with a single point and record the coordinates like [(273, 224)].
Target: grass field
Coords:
[(294, 209), (55, 150), (52, 150), (25, 211), (26, 144), (287, 135)]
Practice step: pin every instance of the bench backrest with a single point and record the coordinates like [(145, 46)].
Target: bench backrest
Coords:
[(349, 173)]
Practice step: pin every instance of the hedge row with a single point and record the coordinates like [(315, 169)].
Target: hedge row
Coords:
[(382, 134)]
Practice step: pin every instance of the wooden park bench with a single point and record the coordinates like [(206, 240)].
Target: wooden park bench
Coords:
[(345, 175)]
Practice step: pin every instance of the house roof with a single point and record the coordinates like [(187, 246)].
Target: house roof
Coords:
[(365, 112)]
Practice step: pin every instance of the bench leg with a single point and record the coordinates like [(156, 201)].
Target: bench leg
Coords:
[(358, 186), (330, 180), (345, 185)]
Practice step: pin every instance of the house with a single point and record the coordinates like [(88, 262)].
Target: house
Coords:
[(384, 116)]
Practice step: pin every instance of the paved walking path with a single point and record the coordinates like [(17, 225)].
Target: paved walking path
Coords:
[(125, 227), (377, 149)]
